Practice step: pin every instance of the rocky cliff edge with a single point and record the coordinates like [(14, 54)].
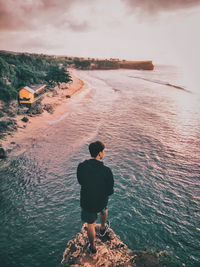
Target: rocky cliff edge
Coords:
[(111, 252)]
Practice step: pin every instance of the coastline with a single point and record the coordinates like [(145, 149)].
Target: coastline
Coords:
[(58, 101)]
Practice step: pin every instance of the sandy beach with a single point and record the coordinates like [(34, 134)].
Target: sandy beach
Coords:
[(27, 130)]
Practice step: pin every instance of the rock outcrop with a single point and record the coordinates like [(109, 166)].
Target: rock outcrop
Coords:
[(25, 119), (49, 108), (112, 252), (3, 153), (7, 125), (36, 108)]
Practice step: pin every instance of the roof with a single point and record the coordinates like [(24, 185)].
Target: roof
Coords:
[(33, 88), (37, 86), (29, 89)]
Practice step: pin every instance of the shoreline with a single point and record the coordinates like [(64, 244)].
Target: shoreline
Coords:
[(58, 102)]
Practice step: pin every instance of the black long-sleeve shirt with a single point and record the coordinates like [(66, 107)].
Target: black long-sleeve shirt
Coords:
[(96, 182)]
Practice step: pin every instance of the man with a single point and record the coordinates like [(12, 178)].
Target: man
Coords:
[(97, 183)]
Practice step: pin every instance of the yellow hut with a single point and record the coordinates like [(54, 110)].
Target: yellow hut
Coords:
[(29, 94)]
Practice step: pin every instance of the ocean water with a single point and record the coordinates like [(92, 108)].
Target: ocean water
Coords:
[(150, 123)]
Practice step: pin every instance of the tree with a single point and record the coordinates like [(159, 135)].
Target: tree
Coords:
[(7, 92), (56, 75)]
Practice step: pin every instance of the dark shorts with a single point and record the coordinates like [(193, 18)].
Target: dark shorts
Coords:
[(89, 217)]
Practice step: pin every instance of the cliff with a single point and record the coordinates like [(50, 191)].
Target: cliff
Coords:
[(137, 65), (117, 64), (111, 252)]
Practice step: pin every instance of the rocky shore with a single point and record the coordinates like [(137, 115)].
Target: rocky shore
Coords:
[(112, 252)]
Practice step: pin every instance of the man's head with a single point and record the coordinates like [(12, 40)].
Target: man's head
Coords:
[(97, 149)]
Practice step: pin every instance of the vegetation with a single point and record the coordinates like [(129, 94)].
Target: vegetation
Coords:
[(19, 70), (56, 75), (81, 64)]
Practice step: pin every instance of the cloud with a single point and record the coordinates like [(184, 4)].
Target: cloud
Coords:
[(73, 24), (79, 27), (38, 43), (30, 15), (155, 6), (8, 20)]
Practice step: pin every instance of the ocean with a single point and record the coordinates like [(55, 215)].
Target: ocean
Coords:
[(150, 123)]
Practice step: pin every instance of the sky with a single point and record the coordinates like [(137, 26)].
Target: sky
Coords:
[(165, 31)]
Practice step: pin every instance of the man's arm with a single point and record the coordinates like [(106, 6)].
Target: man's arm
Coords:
[(110, 182), (79, 173)]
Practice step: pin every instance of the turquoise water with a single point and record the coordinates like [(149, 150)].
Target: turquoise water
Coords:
[(152, 136)]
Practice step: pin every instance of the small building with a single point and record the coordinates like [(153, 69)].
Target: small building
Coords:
[(29, 94)]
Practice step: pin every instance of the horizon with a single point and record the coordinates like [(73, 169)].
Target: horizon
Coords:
[(72, 56)]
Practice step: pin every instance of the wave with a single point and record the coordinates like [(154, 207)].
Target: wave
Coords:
[(60, 119), (161, 82)]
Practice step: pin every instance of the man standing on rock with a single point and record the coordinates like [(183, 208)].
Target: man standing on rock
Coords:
[(97, 183)]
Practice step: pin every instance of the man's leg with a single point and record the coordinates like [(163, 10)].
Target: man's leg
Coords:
[(103, 217), (91, 234)]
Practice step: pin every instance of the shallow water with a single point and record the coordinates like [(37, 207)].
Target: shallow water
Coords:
[(152, 136)]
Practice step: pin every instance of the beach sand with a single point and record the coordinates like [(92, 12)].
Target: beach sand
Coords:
[(27, 130)]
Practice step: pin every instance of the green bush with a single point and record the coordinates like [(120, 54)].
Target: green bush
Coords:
[(7, 92)]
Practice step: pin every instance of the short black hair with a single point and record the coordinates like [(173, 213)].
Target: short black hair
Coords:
[(95, 148)]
